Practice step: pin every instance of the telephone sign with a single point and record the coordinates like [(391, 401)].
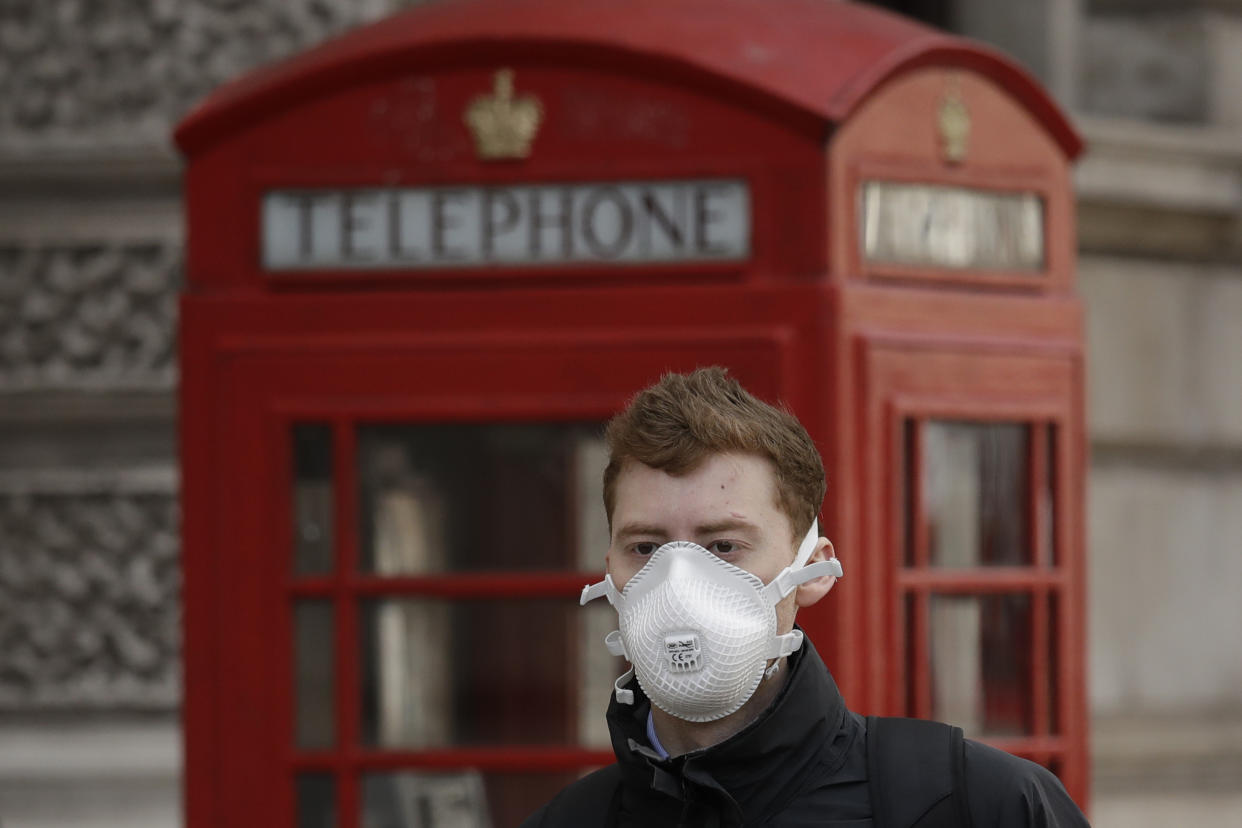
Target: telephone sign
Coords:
[(629, 222)]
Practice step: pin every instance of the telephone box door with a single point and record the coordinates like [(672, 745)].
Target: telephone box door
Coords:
[(973, 482)]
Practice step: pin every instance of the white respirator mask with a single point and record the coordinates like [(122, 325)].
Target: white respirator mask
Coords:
[(699, 631)]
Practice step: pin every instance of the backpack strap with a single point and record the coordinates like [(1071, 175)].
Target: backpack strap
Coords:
[(916, 774)]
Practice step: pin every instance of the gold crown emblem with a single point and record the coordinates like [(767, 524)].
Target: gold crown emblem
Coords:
[(503, 126), (954, 123)]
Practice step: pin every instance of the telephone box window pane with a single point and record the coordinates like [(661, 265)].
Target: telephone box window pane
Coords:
[(467, 798), (597, 670), (1054, 663), (951, 227), (312, 499), (438, 673), (980, 663), (313, 679), (316, 806), (910, 491), (468, 498), (909, 616), (1048, 501), (975, 484)]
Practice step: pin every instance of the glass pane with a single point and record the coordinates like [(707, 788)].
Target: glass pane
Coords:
[(1054, 665), (460, 799), (597, 670), (910, 610), (910, 492), (312, 499), (975, 481), (590, 455), (316, 800), (981, 663), (313, 679), (463, 498), (501, 671), (1048, 501)]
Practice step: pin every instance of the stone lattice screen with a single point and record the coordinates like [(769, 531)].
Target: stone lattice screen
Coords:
[(87, 73), (88, 585), (88, 316), (89, 576)]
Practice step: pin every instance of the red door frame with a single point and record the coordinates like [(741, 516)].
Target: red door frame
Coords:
[(910, 377)]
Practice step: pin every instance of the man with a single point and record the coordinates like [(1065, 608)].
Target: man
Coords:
[(729, 717)]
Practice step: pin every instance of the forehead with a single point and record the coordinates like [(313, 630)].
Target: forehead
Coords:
[(722, 486)]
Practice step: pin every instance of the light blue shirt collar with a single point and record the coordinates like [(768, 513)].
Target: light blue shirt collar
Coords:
[(653, 739)]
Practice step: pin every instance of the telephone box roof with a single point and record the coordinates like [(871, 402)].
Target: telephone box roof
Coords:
[(814, 61)]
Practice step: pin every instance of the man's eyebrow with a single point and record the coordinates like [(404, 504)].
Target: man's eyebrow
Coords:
[(632, 529), (729, 525)]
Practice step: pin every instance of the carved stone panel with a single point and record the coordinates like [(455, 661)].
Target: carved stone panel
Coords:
[(89, 609), (88, 316), (1149, 67), (80, 73)]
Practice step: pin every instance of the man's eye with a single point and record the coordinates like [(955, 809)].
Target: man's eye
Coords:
[(722, 547), (645, 548)]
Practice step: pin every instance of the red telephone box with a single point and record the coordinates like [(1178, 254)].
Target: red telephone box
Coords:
[(428, 259)]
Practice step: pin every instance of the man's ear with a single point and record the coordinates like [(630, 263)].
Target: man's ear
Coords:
[(808, 594)]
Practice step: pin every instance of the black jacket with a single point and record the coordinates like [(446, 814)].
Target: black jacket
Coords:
[(802, 763)]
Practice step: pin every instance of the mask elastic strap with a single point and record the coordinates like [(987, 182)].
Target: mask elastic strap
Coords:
[(798, 572), (783, 645), (597, 590), (789, 579), (623, 694), (616, 645), (807, 546)]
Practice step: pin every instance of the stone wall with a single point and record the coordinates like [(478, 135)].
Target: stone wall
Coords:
[(84, 75), (1166, 483), (1163, 60), (90, 269), (88, 316), (1160, 272), (89, 582)]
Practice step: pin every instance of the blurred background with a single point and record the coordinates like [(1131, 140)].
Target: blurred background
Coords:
[(91, 236)]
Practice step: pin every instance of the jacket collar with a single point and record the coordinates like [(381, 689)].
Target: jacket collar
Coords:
[(758, 768)]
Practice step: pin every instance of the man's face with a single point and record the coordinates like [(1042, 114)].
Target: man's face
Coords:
[(727, 505)]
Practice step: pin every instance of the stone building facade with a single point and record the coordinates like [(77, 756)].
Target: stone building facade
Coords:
[(90, 258)]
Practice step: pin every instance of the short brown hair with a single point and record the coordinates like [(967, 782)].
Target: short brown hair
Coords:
[(683, 419)]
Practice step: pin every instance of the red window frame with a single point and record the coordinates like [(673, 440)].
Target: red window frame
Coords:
[(1045, 582), (346, 587)]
